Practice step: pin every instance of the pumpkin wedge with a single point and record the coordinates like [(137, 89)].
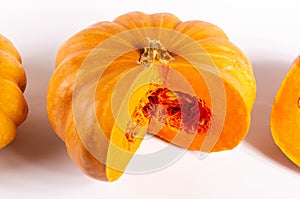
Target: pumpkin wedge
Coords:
[(285, 123), (184, 82), (13, 107)]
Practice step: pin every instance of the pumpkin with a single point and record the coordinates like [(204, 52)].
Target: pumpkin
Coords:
[(13, 107), (116, 81), (285, 124)]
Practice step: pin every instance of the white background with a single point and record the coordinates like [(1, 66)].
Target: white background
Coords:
[(36, 164)]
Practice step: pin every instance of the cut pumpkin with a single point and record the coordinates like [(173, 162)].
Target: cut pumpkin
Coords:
[(184, 82), (285, 116)]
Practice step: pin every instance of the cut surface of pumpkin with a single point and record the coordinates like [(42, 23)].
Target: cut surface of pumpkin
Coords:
[(183, 82), (285, 123)]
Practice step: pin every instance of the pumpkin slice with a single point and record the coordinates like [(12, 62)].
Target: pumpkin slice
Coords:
[(13, 107), (285, 123), (183, 82)]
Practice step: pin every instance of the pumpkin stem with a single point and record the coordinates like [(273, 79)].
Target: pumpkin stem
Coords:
[(155, 52)]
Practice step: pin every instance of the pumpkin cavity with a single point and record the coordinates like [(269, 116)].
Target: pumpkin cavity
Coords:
[(174, 109)]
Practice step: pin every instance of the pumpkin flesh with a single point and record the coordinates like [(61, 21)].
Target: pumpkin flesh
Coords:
[(285, 123)]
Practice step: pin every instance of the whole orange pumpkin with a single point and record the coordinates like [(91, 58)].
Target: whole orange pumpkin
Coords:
[(13, 107), (185, 82)]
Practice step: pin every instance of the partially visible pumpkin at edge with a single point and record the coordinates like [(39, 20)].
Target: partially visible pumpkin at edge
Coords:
[(285, 116), (13, 106), (234, 69)]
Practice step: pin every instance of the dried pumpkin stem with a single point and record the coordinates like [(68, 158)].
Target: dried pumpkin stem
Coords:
[(155, 52)]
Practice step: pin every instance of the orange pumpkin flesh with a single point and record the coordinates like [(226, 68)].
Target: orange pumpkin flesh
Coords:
[(13, 107), (176, 116), (285, 123)]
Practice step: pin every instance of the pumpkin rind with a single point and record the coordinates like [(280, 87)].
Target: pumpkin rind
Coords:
[(13, 107), (234, 67), (285, 123)]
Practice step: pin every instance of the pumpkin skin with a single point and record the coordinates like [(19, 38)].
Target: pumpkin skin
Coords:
[(285, 124), (238, 81), (13, 107)]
